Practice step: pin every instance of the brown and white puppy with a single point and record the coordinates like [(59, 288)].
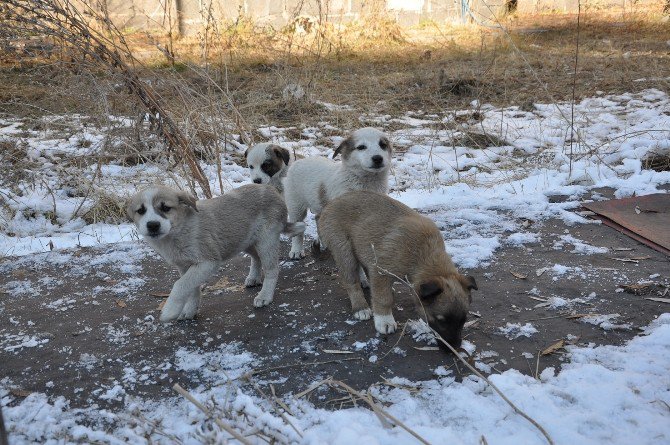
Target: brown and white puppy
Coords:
[(312, 182), (268, 164), (197, 236), (389, 240)]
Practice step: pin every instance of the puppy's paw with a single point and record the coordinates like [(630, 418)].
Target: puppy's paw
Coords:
[(189, 311), (385, 324), (253, 280), (363, 314), (170, 311), (262, 300), (296, 254)]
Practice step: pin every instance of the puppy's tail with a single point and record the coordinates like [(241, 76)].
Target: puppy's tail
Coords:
[(293, 229)]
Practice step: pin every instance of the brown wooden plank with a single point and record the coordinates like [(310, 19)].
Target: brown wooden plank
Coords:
[(650, 226)]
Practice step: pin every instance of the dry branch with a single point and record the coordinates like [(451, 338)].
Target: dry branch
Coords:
[(223, 425), (103, 44)]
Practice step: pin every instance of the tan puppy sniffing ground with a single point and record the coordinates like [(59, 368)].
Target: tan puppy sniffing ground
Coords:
[(390, 241)]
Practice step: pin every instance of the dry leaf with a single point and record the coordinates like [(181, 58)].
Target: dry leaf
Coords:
[(638, 258), (545, 304), (623, 249), (20, 392), (51, 245), (658, 299), (625, 260), (540, 271), (336, 351), (159, 294), (426, 348), (121, 303), (160, 306), (518, 275), (553, 348), (580, 315), (470, 323), (542, 299), (637, 210), (637, 288)]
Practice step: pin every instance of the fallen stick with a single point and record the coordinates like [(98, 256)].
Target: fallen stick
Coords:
[(379, 411), (223, 425), (495, 388)]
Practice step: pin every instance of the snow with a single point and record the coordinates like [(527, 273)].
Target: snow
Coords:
[(516, 330), (480, 199), (605, 394)]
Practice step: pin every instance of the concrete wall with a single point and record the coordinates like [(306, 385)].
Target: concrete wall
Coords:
[(188, 16)]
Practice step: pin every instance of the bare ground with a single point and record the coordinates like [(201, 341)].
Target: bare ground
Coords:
[(110, 324)]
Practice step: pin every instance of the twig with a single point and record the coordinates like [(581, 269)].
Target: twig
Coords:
[(474, 370), (495, 388), (226, 427), (574, 86), (297, 365), (375, 408), (281, 414)]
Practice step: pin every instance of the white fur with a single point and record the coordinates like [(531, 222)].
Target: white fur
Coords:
[(385, 324), (306, 178), (363, 314)]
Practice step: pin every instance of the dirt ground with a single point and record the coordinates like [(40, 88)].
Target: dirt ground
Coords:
[(91, 322)]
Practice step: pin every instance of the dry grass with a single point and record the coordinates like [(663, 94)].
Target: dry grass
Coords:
[(230, 80), (391, 71)]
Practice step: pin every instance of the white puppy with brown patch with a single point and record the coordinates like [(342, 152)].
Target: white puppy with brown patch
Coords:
[(268, 164), (197, 236), (312, 182)]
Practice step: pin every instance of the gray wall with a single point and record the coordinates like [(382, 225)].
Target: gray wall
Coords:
[(188, 16)]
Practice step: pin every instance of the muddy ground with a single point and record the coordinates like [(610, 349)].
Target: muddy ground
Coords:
[(74, 322)]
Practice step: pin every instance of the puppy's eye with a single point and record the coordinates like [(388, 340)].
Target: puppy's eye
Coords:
[(142, 210), (383, 145), (267, 163), (361, 147), (165, 208), (251, 167)]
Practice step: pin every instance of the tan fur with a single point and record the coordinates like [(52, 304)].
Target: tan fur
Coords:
[(388, 238)]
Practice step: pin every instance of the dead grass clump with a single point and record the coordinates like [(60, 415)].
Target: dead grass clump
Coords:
[(658, 162), (106, 208), (289, 111), (480, 140), (14, 162)]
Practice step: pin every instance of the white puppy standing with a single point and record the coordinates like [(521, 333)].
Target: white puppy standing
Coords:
[(197, 236), (312, 182)]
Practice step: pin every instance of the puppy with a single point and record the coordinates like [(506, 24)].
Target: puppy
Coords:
[(312, 182), (389, 240), (268, 164), (197, 236)]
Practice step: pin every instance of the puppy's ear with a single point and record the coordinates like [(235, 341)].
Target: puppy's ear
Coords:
[(246, 153), (346, 145), (188, 200), (282, 153), (429, 290), (385, 144), (468, 282)]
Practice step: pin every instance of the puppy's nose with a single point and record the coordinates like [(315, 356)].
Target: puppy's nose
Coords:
[(258, 181), (377, 161), (153, 226)]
